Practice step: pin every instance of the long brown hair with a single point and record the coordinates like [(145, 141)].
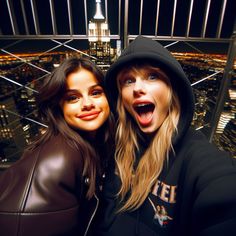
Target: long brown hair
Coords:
[(137, 183), (49, 98)]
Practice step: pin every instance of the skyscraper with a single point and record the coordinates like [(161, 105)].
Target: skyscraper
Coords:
[(98, 36)]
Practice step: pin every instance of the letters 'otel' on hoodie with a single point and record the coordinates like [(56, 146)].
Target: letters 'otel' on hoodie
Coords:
[(196, 192)]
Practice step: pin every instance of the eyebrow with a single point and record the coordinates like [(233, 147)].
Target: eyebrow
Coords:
[(91, 87)]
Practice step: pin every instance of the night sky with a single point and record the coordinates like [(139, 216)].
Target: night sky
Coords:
[(148, 21)]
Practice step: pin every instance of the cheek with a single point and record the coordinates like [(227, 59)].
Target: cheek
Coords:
[(167, 97), (127, 106), (164, 99), (126, 97), (102, 102), (162, 95), (104, 105), (68, 109)]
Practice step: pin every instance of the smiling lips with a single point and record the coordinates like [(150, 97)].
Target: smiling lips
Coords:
[(89, 115), (144, 112)]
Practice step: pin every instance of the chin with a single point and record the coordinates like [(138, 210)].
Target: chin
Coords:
[(148, 130)]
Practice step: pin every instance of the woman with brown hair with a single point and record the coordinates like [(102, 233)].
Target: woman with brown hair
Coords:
[(52, 189)]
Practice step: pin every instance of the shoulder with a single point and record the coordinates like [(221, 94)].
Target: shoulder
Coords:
[(204, 163), (209, 175), (57, 155), (195, 144), (58, 146)]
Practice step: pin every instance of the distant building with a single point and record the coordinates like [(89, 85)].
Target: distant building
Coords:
[(10, 141), (227, 123), (99, 38), (228, 138)]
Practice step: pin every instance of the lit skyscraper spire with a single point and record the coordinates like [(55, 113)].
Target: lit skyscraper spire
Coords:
[(98, 15)]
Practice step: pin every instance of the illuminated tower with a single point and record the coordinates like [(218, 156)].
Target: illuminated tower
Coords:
[(98, 36)]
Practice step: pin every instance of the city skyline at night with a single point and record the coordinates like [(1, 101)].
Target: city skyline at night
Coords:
[(38, 39), (196, 66)]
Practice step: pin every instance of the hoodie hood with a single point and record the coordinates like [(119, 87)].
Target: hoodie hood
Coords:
[(144, 50)]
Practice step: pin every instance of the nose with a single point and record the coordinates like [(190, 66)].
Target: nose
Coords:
[(139, 86), (87, 103)]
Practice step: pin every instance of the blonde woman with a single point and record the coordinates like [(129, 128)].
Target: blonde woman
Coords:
[(167, 179)]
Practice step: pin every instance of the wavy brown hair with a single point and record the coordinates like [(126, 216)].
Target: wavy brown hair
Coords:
[(137, 183), (49, 98)]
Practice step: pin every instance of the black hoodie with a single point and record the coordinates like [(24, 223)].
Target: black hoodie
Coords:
[(196, 192)]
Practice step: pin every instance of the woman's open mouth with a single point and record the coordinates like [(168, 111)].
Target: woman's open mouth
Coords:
[(144, 112)]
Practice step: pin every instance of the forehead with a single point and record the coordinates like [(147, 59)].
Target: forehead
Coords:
[(140, 70), (81, 78)]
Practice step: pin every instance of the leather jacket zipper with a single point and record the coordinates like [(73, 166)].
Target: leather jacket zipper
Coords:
[(91, 218)]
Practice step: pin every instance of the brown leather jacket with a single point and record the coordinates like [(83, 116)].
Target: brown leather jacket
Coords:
[(44, 193)]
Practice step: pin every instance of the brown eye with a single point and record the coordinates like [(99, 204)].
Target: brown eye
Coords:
[(97, 92), (71, 98)]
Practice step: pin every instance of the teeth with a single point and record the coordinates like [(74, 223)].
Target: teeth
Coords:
[(141, 105)]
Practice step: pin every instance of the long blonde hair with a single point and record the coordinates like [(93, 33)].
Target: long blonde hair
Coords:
[(137, 183)]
